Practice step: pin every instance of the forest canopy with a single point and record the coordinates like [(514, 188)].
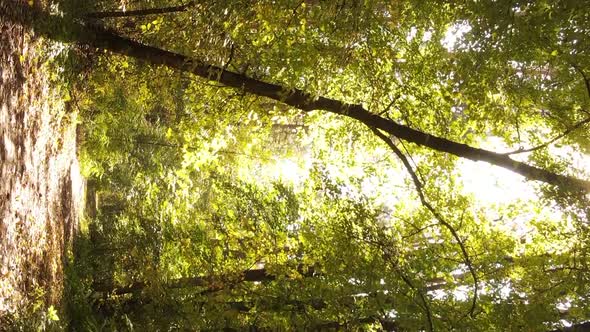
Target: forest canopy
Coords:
[(308, 165)]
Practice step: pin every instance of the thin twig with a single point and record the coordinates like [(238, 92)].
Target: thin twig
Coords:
[(389, 258), (418, 230), (439, 217), (556, 138), (386, 109), (230, 58)]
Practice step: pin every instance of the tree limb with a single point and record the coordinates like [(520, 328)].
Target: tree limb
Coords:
[(210, 282)]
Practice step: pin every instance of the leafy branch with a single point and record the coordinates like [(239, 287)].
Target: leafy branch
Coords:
[(438, 216), (426, 307), (556, 138)]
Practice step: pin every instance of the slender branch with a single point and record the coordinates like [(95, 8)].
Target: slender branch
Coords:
[(386, 109), (418, 230), (435, 213), (422, 298), (230, 57), (556, 138), (294, 14), (586, 79), (140, 12)]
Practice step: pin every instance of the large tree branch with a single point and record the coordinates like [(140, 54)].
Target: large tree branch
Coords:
[(98, 37), (389, 325), (386, 324), (211, 283), (581, 327)]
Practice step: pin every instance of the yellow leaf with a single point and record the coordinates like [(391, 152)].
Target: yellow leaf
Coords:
[(51, 312)]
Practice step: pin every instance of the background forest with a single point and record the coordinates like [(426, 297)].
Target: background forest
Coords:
[(345, 165)]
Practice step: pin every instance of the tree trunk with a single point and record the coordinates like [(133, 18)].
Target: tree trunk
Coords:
[(95, 36)]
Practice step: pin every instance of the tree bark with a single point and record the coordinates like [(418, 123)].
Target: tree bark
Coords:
[(96, 36), (140, 12)]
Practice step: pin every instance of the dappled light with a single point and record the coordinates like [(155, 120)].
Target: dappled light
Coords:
[(294, 165), (41, 187)]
